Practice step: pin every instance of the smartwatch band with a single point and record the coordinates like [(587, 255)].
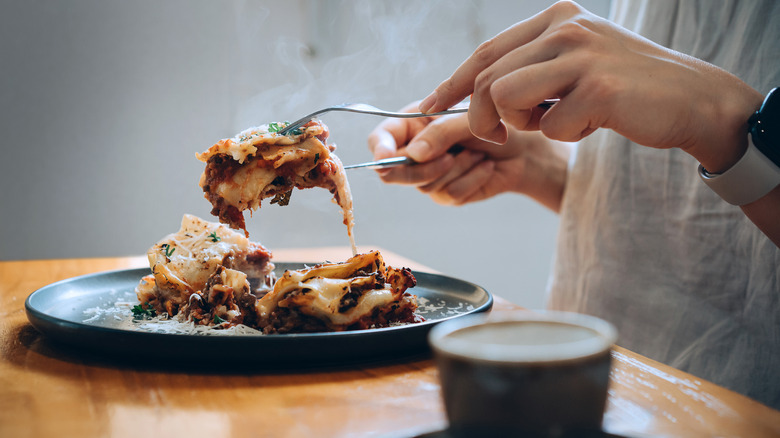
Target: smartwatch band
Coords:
[(750, 179)]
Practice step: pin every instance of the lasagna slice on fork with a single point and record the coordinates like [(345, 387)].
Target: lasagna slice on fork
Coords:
[(258, 163)]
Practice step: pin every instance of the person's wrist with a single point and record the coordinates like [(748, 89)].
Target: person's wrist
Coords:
[(544, 172), (529, 161), (723, 156), (725, 138), (757, 172)]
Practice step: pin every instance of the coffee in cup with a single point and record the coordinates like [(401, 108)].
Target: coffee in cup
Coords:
[(524, 373)]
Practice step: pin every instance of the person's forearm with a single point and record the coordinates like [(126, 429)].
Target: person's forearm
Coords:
[(765, 213), (546, 170)]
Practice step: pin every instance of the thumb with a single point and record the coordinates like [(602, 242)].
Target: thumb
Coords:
[(435, 139)]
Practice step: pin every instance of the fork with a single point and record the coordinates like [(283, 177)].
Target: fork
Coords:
[(382, 164), (386, 163), (370, 109)]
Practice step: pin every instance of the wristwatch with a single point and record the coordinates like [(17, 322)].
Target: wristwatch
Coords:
[(758, 171)]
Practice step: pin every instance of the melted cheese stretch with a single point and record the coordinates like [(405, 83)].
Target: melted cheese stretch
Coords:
[(344, 195)]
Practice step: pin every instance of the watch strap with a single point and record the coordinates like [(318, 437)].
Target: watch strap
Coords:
[(750, 179)]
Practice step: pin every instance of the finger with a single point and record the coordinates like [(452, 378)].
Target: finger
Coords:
[(463, 162), (575, 117), (392, 134), (485, 110), (388, 137), (517, 106), (382, 144), (461, 83), (435, 139), (418, 174), (484, 121), (470, 187)]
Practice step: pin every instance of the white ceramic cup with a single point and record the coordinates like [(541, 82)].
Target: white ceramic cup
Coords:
[(524, 373)]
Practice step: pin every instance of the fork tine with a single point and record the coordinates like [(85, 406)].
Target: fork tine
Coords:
[(302, 121)]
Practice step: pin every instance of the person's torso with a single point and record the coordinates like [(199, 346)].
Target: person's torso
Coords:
[(687, 278)]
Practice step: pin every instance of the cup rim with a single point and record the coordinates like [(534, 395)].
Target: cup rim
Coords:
[(575, 352)]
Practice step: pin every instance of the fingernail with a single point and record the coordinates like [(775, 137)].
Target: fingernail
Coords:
[(428, 102), (499, 135), (419, 150)]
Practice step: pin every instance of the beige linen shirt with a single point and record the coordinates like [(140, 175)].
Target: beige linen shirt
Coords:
[(687, 278)]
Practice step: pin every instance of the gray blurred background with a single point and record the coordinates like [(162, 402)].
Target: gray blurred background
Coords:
[(104, 104)]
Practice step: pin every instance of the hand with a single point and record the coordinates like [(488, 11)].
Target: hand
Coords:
[(528, 163), (605, 77)]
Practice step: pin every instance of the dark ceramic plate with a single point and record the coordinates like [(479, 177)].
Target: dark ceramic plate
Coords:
[(93, 312)]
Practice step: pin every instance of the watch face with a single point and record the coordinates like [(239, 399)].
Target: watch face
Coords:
[(765, 126)]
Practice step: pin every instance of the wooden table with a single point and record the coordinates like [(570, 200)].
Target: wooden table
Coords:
[(48, 390)]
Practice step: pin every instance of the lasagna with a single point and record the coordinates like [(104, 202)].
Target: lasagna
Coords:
[(202, 273), (259, 163), (209, 274), (359, 293)]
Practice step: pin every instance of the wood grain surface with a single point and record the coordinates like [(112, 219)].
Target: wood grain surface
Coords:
[(48, 390)]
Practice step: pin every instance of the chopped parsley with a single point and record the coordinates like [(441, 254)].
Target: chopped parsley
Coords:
[(139, 311), (168, 249), (278, 126), (316, 158), (214, 237), (218, 320)]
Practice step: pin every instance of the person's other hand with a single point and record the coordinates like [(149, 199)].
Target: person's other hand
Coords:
[(454, 167), (605, 77)]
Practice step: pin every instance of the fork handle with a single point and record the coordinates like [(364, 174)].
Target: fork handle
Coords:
[(382, 164), (406, 115), (299, 123), (546, 104), (397, 161)]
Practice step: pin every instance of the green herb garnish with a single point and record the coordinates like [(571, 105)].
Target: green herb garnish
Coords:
[(218, 320), (214, 237), (276, 127), (316, 158), (168, 249), (139, 311), (248, 137)]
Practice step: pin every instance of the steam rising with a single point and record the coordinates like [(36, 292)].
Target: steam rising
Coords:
[(383, 53), (323, 53)]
